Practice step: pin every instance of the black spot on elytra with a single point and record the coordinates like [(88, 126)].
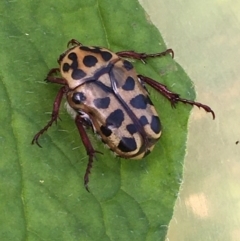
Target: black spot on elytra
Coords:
[(72, 56), (106, 55), (127, 144), (156, 124), (139, 102), (115, 119), (143, 120), (89, 60), (131, 128), (129, 84), (102, 103), (74, 65), (78, 74), (66, 67), (78, 97), (127, 65), (106, 131)]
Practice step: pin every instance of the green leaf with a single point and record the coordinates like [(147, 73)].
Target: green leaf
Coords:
[(41, 189)]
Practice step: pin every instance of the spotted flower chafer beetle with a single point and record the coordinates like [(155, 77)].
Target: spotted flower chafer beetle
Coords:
[(104, 92)]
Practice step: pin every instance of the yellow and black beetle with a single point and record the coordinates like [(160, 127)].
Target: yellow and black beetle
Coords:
[(104, 92)]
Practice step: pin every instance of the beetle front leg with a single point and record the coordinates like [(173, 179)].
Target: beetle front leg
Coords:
[(171, 96), (88, 147), (73, 42), (55, 111), (54, 79), (142, 56)]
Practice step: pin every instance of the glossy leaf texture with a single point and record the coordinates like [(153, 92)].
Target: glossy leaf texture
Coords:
[(41, 189)]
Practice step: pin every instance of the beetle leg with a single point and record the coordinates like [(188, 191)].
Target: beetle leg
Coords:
[(54, 79), (171, 96), (55, 111), (73, 42), (53, 71), (88, 146), (142, 56)]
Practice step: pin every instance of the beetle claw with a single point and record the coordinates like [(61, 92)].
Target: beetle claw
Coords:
[(86, 186), (99, 152), (35, 139), (38, 143)]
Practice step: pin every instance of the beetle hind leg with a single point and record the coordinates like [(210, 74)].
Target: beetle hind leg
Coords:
[(88, 146), (174, 98)]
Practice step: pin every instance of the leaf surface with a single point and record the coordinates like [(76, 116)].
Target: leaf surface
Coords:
[(41, 189)]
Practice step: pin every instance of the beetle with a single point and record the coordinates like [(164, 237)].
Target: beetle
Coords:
[(104, 92)]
